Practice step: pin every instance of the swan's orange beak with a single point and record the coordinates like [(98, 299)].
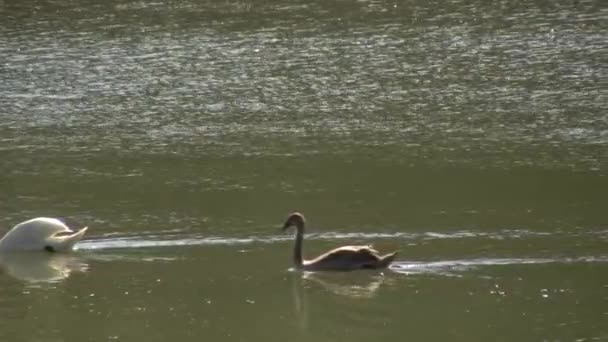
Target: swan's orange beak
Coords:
[(286, 225)]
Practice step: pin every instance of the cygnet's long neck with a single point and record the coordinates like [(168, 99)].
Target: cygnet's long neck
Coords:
[(297, 248)]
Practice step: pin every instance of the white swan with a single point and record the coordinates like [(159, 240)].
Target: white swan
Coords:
[(41, 234)]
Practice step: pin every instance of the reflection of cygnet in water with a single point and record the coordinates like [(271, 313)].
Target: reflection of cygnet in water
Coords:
[(348, 286), (41, 267), (359, 289)]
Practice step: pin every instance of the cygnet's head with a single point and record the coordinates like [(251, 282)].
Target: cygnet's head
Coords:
[(295, 219)]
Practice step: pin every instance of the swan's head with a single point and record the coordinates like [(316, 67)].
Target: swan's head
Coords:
[(295, 219), (41, 234)]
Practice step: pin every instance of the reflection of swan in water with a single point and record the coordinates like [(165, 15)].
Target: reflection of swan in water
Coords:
[(40, 234), (40, 267), (343, 258)]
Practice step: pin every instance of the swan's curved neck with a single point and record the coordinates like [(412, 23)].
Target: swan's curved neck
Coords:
[(297, 248)]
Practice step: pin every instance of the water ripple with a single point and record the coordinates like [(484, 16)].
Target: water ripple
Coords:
[(173, 239), (120, 79), (453, 267)]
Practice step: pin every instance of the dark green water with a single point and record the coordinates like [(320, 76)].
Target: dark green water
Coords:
[(470, 135)]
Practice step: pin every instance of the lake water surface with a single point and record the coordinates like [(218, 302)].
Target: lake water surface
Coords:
[(470, 135)]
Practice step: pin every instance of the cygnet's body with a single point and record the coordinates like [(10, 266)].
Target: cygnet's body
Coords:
[(344, 258), (41, 234)]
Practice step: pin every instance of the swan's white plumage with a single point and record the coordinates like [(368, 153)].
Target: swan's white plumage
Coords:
[(41, 233)]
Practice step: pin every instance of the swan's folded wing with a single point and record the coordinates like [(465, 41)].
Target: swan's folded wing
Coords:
[(64, 242)]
